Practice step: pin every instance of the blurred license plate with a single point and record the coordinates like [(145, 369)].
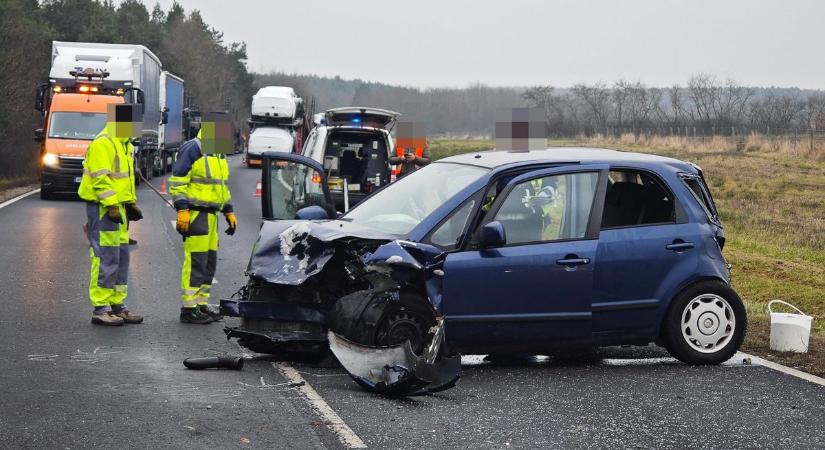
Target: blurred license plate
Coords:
[(77, 179)]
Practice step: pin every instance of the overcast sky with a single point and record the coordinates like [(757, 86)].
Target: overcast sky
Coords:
[(426, 43)]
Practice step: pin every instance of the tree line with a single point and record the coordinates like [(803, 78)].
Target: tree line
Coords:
[(705, 105), (215, 73)]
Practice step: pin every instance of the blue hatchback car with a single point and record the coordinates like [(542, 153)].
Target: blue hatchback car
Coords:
[(494, 253)]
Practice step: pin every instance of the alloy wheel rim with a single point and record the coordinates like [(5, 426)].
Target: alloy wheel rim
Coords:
[(708, 323)]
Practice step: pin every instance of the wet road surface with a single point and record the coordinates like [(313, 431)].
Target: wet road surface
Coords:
[(65, 383)]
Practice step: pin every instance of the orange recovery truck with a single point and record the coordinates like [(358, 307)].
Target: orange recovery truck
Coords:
[(84, 79), (72, 121)]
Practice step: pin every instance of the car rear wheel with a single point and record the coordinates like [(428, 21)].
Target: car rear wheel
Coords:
[(705, 324)]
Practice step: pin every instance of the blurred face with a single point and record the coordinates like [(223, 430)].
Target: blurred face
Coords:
[(125, 121), (521, 129), (216, 134)]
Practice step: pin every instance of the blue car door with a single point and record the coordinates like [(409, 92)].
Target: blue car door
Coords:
[(535, 289), (646, 248)]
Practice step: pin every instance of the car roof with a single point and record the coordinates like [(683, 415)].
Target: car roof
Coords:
[(572, 155)]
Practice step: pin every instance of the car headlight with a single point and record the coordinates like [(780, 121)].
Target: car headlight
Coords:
[(51, 160)]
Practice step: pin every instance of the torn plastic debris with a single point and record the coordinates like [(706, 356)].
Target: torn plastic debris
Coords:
[(396, 371)]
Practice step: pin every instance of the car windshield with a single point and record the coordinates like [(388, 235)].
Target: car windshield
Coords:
[(76, 125), (404, 204)]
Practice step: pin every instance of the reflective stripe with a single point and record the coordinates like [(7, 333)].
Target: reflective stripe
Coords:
[(190, 292), (106, 194), (114, 147), (176, 183), (120, 175), (200, 180), (206, 165), (96, 173)]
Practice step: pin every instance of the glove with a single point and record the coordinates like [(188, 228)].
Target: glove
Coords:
[(133, 213), (183, 222), (232, 222), (113, 212)]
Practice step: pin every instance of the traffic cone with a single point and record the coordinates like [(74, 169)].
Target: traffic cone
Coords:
[(258, 189), (162, 189)]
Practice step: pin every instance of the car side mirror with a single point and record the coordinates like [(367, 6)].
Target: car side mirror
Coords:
[(38, 135), (164, 116), (491, 235), (314, 212)]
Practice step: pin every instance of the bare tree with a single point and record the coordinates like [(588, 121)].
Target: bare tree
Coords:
[(597, 99)]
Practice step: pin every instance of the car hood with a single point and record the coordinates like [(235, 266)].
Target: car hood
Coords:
[(290, 251)]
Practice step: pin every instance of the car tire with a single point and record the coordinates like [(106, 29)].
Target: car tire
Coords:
[(408, 320), (366, 317), (46, 194), (705, 324)]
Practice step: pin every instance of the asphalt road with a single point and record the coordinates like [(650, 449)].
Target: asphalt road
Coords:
[(65, 383)]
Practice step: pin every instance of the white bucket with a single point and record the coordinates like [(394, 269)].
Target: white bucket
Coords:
[(789, 332)]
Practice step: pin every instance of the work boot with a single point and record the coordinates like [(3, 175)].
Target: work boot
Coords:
[(214, 311), (107, 319), (132, 241), (128, 317), (194, 315)]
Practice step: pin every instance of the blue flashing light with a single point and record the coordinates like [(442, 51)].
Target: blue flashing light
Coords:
[(356, 120)]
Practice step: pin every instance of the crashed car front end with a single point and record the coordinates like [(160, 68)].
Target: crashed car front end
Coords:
[(372, 299)]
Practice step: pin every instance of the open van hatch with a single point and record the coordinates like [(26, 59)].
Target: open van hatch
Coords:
[(355, 116)]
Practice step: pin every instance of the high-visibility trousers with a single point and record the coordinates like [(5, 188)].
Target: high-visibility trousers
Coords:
[(200, 258), (108, 254)]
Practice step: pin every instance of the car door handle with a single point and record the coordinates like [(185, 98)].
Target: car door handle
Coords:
[(680, 246), (573, 261)]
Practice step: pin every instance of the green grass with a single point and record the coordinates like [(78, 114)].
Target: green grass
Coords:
[(772, 202)]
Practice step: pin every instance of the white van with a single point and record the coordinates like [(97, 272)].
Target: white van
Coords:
[(268, 139), (277, 103), (354, 146)]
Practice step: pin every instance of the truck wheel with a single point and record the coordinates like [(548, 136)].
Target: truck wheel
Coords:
[(45, 194), (137, 163), (149, 166), (157, 165), (705, 324)]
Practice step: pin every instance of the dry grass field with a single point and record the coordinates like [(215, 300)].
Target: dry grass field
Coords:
[(771, 196)]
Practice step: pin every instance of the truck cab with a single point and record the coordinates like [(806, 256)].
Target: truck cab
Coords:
[(71, 122)]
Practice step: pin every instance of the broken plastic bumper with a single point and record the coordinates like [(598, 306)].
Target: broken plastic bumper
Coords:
[(394, 371), (276, 327)]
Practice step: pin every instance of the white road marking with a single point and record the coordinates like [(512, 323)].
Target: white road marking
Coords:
[(784, 369), (19, 197), (330, 417)]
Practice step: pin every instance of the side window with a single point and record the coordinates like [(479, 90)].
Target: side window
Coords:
[(636, 198), (448, 235), (552, 208), (293, 186), (699, 189)]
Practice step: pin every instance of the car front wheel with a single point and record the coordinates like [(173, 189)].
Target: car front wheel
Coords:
[(705, 324)]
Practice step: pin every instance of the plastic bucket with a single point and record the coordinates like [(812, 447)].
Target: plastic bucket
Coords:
[(789, 332)]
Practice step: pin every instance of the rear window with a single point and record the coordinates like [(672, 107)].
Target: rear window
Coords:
[(700, 191)]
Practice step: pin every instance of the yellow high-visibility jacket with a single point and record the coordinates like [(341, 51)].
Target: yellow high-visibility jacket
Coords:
[(200, 181), (108, 171)]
